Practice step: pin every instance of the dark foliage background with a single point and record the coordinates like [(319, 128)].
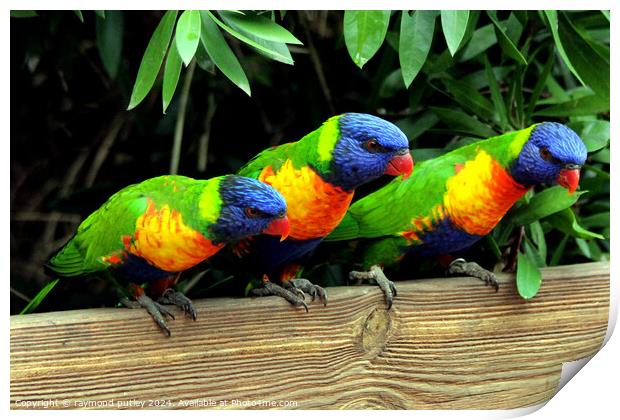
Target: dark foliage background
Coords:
[(73, 143)]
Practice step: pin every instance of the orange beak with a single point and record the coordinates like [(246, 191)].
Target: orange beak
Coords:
[(400, 164), (569, 179), (279, 227)]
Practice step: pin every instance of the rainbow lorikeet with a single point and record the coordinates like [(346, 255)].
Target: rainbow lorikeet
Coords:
[(148, 233), (317, 176), (452, 201)]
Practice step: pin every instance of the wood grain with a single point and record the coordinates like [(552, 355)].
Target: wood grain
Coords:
[(446, 343)]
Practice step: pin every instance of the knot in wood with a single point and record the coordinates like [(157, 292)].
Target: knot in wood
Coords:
[(375, 331)]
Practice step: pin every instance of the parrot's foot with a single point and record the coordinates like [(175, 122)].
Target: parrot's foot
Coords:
[(304, 285), (376, 273), (460, 266), (172, 297), (270, 289), (157, 311)]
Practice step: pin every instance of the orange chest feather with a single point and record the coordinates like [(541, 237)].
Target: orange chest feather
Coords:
[(164, 240), (314, 207), (480, 194)]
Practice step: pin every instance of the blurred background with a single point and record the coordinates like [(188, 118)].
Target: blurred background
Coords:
[(445, 78)]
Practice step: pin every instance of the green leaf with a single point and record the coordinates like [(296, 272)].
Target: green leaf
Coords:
[(364, 32), (589, 67), (23, 13), (460, 121), (529, 278), (481, 40), (109, 37), (221, 54), (153, 58), (188, 35), (469, 98), (78, 13), (496, 95), (277, 51), (509, 48), (246, 39), (414, 128), (454, 26), (100, 13), (595, 134), (172, 70), (606, 14), (587, 105), (556, 258), (416, 37), (596, 220), (36, 301), (593, 69), (537, 235), (392, 84), (203, 60), (543, 76), (565, 221), (543, 204), (260, 27)]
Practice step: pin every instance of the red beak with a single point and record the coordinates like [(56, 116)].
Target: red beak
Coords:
[(569, 179), (400, 164), (279, 227)]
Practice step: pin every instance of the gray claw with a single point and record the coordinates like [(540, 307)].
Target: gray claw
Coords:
[(271, 289), (460, 266), (306, 286), (376, 273)]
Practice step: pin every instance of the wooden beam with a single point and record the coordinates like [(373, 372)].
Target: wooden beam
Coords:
[(446, 343)]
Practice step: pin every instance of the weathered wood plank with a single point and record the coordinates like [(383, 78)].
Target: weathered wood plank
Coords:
[(447, 343)]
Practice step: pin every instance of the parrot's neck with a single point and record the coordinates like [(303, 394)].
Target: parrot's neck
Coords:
[(480, 194)]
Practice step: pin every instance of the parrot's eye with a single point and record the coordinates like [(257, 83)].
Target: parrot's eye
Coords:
[(252, 212), (373, 146), (546, 155)]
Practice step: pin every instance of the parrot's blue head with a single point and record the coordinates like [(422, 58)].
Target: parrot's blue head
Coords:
[(249, 207), (368, 147), (553, 154)]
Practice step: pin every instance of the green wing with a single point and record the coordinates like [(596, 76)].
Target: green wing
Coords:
[(274, 157), (100, 234), (390, 209)]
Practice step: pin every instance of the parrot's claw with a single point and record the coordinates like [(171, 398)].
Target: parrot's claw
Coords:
[(460, 266), (157, 311), (304, 285), (386, 285), (172, 297), (271, 289)]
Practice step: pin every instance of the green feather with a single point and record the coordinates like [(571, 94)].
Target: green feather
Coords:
[(314, 149), (370, 217), (101, 233)]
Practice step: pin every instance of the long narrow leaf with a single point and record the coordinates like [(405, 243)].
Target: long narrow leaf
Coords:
[(543, 204), (260, 27), (240, 36), (273, 50), (153, 58), (172, 70), (509, 48), (109, 36), (416, 37), (36, 301), (188, 35), (221, 54), (496, 95)]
